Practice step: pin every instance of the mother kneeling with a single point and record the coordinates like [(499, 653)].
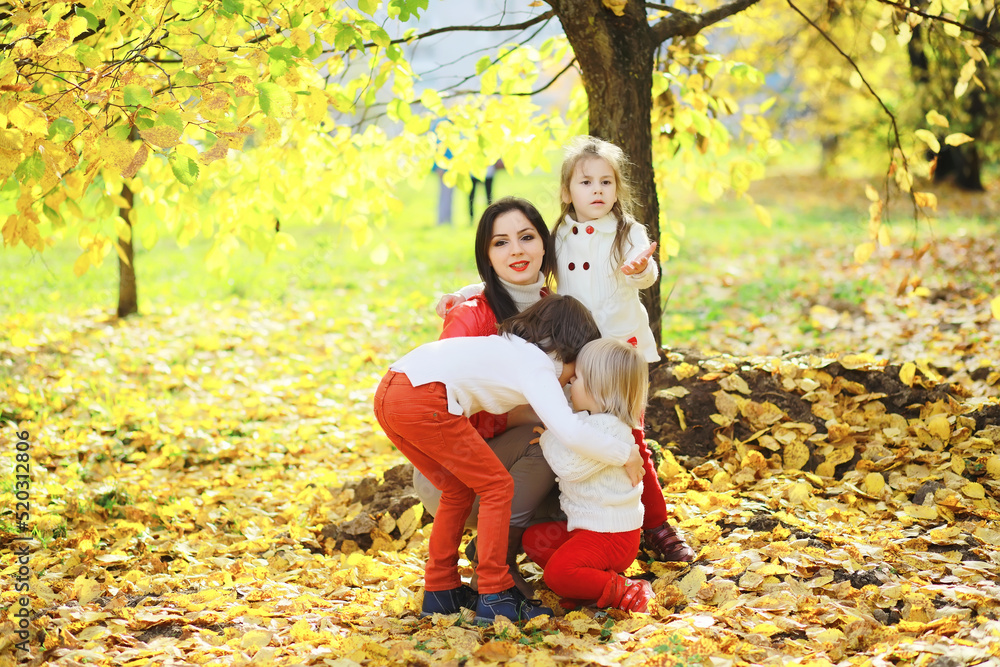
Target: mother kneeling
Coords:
[(510, 255)]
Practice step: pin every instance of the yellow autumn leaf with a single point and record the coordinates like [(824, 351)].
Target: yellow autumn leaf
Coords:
[(255, 640), (763, 215), (995, 307), (871, 193), (928, 138), (734, 382), (939, 427), (766, 628), (856, 361), (957, 139), (86, 590), (877, 42), (794, 456), (616, 6), (692, 582), (926, 200), (907, 372), (993, 467), (863, 252), (82, 264), (684, 370), (935, 118), (874, 484), (974, 490)]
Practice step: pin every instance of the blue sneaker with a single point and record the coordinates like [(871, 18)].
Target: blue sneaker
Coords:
[(449, 601), (511, 604)]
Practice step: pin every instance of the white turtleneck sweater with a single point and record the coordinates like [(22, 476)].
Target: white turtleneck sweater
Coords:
[(595, 496), (584, 271), (524, 296)]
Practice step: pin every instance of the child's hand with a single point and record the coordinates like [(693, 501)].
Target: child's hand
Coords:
[(637, 265), (633, 467), (539, 430), (447, 302)]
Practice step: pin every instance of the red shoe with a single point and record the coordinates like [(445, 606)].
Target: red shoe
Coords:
[(626, 594), (668, 543)]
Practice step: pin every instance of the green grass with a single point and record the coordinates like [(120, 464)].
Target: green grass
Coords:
[(728, 264)]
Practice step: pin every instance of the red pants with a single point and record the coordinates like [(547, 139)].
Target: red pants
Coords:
[(578, 564), (654, 506), (456, 460)]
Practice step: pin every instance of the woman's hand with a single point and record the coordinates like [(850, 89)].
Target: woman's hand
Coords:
[(637, 265), (633, 467), (447, 302), (539, 430)]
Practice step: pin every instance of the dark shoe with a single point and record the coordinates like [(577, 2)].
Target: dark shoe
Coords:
[(668, 544), (449, 601), (626, 594), (510, 604)]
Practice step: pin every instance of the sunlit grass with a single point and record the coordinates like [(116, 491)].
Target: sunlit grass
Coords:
[(728, 265)]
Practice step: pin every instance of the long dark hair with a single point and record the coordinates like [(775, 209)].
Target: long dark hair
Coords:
[(496, 294), (558, 323)]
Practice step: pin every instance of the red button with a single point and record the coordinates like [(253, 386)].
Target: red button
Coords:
[(572, 266), (590, 230), (586, 265), (575, 230)]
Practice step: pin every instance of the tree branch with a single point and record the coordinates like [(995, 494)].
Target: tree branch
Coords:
[(662, 8), (683, 24), (554, 79), (982, 34), (892, 118), (467, 28)]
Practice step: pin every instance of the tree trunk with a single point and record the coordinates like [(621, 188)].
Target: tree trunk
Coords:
[(616, 55), (128, 300)]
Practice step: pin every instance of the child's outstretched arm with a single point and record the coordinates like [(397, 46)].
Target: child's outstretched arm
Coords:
[(639, 263), (640, 268)]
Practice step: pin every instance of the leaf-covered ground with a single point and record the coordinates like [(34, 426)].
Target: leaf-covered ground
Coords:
[(196, 474)]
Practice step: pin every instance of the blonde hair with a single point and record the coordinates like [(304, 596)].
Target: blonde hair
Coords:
[(585, 147), (616, 376)]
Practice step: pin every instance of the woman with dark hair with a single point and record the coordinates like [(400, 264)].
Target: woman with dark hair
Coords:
[(510, 256)]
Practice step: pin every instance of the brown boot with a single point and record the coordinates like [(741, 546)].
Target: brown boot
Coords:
[(626, 594), (513, 551), (668, 544)]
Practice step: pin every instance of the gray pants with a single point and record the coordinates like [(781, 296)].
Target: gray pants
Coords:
[(535, 495)]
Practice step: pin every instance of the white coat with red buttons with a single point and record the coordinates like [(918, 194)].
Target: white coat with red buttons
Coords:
[(584, 271)]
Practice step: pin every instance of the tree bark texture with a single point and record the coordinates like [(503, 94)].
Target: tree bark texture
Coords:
[(616, 56), (128, 299)]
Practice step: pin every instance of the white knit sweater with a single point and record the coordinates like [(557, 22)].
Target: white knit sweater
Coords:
[(584, 271), (595, 496)]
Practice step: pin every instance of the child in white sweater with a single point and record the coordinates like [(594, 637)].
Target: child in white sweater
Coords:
[(583, 556), (424, 403)]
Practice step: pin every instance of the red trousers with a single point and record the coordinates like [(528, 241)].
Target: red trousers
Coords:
[(578, 564), (457, 461), (654, 506)]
